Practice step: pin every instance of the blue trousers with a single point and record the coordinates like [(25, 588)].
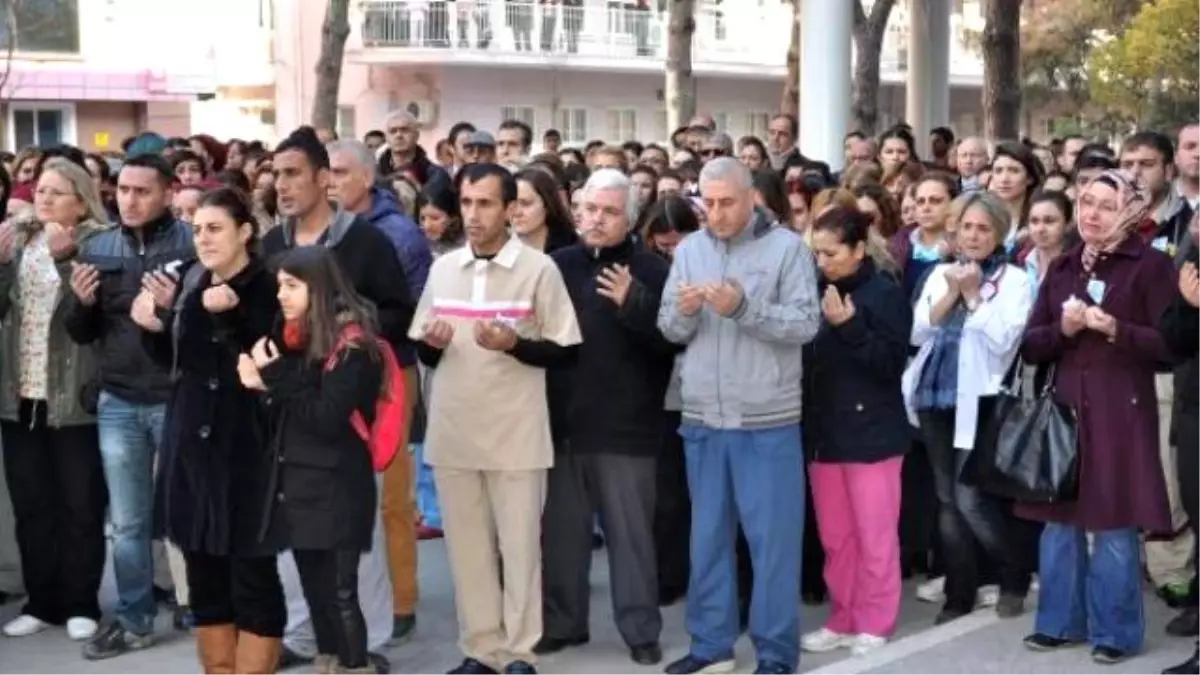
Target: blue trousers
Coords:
[(130, 435), (755, 477), (1096, 597), (427, 499)]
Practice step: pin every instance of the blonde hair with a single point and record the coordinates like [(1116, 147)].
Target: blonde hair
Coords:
[(81, 182), (830, 198), (30, 153), (861, 174)]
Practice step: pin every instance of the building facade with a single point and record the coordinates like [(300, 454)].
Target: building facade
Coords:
[(592, 69), (93, 72)]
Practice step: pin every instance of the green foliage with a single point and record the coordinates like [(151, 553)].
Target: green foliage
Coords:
[(1148, 74)]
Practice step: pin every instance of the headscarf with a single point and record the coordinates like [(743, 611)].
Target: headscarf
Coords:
[(1133, 205)]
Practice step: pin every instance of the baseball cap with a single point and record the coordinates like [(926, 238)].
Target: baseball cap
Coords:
[(481, 138)]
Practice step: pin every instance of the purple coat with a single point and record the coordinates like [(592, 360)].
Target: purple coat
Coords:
[(1109, 385)]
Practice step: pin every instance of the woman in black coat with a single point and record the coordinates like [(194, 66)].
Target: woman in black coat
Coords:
[(856, 433), (215, 457), (322, 491)]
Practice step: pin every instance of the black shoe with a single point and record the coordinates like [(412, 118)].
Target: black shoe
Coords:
[(1189, 667), (773, 668), (163, 596), (597, 541), (1040, 642), (646, 655), (289, 659), (403, 626), (380, 663), (1108, 656), (471, 667), (1186, 624), (113, 640), (551, 645), (948, 615), (520, 668), (182, 619), (670, 596), (695, 664)]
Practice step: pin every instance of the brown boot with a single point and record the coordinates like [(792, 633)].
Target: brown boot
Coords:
[(325, 664), (217, 647), (257, 655)]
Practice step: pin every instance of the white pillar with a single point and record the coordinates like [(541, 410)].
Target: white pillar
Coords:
[(825, 74), (939, 62), (917, 90)]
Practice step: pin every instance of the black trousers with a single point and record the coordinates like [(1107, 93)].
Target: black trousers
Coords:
[(918, 515), (672, 515), (330, 582), (621, 489), (969, 518), (56, 484), (1187, 454), (245, 592)]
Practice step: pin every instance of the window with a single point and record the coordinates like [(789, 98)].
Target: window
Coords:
[(622, 125), (49, 26), (521, 113), (756, 124), (345, 122), (572, 123), (41, 125)]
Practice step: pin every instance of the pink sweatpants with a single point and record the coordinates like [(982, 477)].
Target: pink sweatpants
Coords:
[(858, 511)]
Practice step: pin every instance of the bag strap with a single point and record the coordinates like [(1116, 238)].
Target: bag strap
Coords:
[(1014, 381)]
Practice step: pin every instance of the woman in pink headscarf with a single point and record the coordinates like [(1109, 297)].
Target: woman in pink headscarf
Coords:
[(1096, 320)]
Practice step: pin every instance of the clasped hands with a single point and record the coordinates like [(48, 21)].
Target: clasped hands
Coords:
[(724, 297), (1077, 316)]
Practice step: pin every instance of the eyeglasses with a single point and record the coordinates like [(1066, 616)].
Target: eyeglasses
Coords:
[(713, 152)]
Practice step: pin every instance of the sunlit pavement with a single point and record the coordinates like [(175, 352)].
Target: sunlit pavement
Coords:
[(980, 643)]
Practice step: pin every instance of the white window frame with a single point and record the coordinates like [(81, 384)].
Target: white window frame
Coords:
[(618, 133), (344, 125), (519, 111), (566, 126), (70, 122), (753, 117)]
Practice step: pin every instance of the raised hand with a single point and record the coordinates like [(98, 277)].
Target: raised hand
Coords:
[(217, 299), (438, 334), (85, 281)]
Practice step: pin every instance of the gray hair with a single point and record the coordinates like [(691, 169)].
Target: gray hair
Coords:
[(992, 206), (726, 169), (357, 150), (612, 179), (401, 115)]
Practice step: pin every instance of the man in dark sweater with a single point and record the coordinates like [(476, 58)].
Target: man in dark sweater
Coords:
[(370, 261), (610, 403)]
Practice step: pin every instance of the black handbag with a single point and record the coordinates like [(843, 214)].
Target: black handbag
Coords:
[(1028, 447)]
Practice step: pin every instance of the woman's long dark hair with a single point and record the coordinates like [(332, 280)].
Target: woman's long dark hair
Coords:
[(442, 196), (237, 205), (560, 228), (332, 303), (770, 185)]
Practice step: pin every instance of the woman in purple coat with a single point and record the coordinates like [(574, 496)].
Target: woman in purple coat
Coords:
[(1096, 319)]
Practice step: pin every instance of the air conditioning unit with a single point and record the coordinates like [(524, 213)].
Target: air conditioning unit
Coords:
[(426, 112)]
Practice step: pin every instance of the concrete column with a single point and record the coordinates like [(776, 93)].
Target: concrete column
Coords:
[(927, 95), (825, 74), (919, 86)]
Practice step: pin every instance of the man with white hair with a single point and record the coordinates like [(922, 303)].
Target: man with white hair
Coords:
[(609, 406), (971, 158), (742, 299), (404, 153), (352, 185)]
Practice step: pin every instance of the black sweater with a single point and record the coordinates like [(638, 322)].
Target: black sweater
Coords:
[(611, 399), (369, 260), (853, 408)]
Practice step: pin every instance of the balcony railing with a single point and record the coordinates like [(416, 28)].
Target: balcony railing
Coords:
[(618, 30), (743, 40)]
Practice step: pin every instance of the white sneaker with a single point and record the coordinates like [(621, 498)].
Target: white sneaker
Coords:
[(932, 591), (825, 640), (987, 596), (80, 628), (24, 626), (865, 643)]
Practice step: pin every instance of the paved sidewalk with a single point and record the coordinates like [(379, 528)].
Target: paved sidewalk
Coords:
[(980, 643)]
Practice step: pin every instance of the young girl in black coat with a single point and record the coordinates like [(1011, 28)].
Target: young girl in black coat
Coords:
[(322, 497)]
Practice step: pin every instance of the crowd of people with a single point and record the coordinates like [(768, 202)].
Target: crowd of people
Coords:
[(757, 383)]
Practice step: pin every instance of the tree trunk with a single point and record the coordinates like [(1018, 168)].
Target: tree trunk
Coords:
[(334, 32), (680, 90), (1002, 69), (868, 43), (790, 105)]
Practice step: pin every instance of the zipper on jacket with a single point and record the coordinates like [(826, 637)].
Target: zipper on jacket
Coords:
[(724, 271)]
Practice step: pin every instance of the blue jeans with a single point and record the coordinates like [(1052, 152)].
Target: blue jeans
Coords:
[(1096, 597), (130, 434), (755, 477)]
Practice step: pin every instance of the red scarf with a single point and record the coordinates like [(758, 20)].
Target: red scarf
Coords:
[(294, 334)]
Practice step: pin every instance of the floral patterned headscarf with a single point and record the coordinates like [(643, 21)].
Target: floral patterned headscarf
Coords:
[(1133, 205)]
